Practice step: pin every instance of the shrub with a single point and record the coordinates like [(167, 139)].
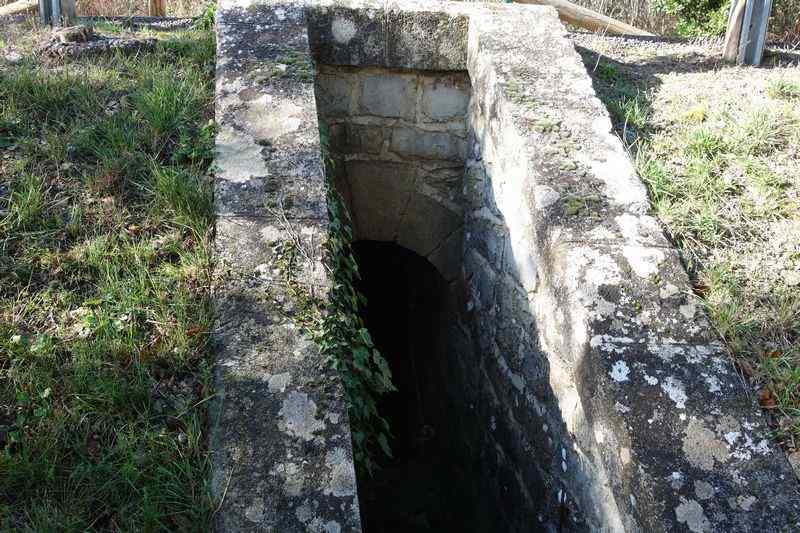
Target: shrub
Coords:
[(697, 17)]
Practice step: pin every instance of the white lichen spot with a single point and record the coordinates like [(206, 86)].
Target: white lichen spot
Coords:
[(618, 407), (665, 352), (255, 511), (298, 416), (702, 447), (732, 436), (332, 527), (625, 455), (746, 502), (713, 383), (703, 490), (675, 390), (676, 480), (620, 371), (545, 196), (688, 311), (279, 382), (304, 512), (643, 261), (292, 476), (343, 30), (237, 156), (668, 291), (342, 480), (650, 380), (691, 513), (266, 121)]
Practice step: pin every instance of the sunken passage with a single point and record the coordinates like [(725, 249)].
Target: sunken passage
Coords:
[(409, 172)]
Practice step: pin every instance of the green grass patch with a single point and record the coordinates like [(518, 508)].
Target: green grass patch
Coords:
[(722, 176), (784, 90), (105, 228)]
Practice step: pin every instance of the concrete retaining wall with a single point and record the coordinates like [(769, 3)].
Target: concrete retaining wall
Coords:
[(595, 395)]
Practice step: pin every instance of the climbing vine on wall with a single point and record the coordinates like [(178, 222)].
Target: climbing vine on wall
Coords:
[(336, 326), (344, 339)]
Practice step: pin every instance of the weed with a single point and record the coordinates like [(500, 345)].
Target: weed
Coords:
[(607, 72), (782, 89), (206, 19)]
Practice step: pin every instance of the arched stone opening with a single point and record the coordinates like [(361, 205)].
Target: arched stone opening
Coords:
[(409, 306), (409, 173)]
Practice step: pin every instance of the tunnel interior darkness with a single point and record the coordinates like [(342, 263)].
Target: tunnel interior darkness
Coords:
[(407, 306)]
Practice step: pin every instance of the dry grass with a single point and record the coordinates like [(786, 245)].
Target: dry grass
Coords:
[(127, 8)]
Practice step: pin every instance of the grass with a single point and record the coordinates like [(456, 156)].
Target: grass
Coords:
[(723, 179), (105, 227)]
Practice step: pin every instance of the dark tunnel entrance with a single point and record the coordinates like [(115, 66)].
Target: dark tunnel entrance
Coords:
[(406, 314)]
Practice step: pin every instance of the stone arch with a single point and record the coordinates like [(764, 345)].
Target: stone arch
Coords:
[(399, 141)]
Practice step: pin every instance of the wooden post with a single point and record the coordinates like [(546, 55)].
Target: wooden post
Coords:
[(730, 50), (56, 12), (61, 12), (588, 19), (68, 16), (45, 11), (747, 32), (158, 8)]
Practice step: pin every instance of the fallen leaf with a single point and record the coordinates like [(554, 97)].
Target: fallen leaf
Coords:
[(766, 400)]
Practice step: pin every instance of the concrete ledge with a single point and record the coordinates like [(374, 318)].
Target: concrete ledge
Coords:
[(280, 439)]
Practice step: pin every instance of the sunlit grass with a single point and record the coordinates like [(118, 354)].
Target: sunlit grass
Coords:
[(105, 227)]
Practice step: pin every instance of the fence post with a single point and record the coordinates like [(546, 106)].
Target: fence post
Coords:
[(45, 11), (58, 12), (747, 31), (158, 8)]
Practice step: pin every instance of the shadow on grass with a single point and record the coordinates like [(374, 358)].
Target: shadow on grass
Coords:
[(105, 225)]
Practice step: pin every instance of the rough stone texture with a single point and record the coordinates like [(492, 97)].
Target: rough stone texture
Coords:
[(592, 389), (616, 363), (282, 455), (399, 154)]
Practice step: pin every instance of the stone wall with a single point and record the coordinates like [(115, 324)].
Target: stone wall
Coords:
[(589, 387), (399, 140)]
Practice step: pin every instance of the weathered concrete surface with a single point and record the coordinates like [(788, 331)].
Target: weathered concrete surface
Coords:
[(600, 398), (640, 402), (282, 456)]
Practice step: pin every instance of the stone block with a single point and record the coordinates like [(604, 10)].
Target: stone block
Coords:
[(364, 139), (444, 98), (426, 224), (411, 142), (388, 95), (379, 192), (334, 93), (435, 41), (343, 35), (447, 256)]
